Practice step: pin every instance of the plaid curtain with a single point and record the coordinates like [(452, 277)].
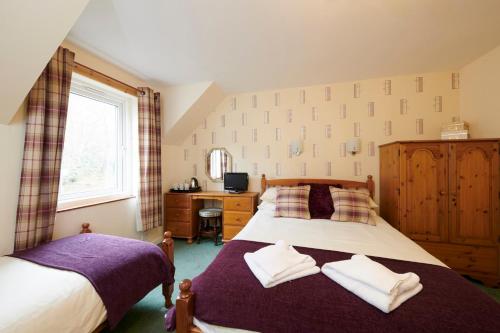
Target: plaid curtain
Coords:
[(43, 145), (150, 190)]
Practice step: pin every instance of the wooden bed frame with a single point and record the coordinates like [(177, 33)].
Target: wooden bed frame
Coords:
[(369, 184), (167, 245), (184, 305)]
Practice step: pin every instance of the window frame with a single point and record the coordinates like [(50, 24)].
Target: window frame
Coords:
[(125, 106)]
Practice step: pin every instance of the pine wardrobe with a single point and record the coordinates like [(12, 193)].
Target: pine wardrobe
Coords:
[(445, 196)]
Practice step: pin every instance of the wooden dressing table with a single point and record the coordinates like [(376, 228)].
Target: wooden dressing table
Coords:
[(181, 212)]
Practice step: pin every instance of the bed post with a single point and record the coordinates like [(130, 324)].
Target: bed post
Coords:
[(184, 307), (371, 185), (167, 245), (85, 228), (263, 184)]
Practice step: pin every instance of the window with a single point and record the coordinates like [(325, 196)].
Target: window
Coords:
[(97, 160)]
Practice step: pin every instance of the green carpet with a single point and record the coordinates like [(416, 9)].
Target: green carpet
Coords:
[(147, 315), (190, 260)]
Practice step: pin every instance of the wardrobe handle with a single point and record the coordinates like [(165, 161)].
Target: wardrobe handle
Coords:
[(442, 192)]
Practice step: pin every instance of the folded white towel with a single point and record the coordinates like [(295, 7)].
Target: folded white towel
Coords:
[(382, 301), (373, 282), (292, 273), (375, 275), (277, 258), (278, 263)]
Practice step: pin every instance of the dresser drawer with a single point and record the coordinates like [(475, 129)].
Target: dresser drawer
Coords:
[(178, 214), (465, 258), (229, 231), (238, 203), (178, 201), (179, 229), (236, 218)]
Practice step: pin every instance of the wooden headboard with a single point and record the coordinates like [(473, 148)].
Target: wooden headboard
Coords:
[(369, 184)]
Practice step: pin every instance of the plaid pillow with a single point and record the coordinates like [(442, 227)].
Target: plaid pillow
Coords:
[(351, 206), (293, 202)]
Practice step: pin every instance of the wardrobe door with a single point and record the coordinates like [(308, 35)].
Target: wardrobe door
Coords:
[(474, 196), (389, 184), (424, 191)]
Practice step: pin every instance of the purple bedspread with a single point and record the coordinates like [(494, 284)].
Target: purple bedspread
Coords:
[(228, 294), (121, 270)]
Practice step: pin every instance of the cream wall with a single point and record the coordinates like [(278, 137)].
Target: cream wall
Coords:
[(11, 150), (246, 125), (479, 91)]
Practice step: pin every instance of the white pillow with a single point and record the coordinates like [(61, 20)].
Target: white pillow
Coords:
[(270, 195), (373, 217), (267, 206)]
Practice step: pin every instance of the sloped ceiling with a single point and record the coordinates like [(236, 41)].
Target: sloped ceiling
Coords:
[(186, 106), (30, 32), (248, 45)]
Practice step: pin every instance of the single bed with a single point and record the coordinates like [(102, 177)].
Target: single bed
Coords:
[(40, 298), (227, 298)]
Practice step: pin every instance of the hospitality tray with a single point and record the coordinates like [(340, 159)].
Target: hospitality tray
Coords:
[(191, 190)]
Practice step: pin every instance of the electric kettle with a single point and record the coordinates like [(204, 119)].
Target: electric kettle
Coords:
[(194, 183)]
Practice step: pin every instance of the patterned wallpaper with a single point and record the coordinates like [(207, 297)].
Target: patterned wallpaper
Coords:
[(257, 128)]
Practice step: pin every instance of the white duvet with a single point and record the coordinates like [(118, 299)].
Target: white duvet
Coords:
[(40, 299), (381, 240)]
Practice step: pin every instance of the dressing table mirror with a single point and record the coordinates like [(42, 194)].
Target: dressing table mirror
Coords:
[(218, 161)]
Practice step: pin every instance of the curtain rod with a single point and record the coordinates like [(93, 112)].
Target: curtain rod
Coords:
[(103, 78)]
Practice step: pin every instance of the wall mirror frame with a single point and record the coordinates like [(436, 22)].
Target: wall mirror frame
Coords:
[(218, 161)]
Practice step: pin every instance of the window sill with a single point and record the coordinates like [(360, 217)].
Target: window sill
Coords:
[(63, 207)]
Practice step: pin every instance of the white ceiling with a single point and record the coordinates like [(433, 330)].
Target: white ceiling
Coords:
[(246, 45), (30, 32)]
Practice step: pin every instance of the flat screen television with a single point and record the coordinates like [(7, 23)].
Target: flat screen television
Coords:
[(235, 182)]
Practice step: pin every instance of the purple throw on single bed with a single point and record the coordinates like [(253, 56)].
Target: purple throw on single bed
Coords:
[(228, 294), (121, 270)]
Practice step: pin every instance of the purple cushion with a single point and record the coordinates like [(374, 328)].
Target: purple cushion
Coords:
[(320, 200)]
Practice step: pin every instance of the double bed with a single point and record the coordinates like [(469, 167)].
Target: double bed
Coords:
[(42, 291), (228, 298)]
